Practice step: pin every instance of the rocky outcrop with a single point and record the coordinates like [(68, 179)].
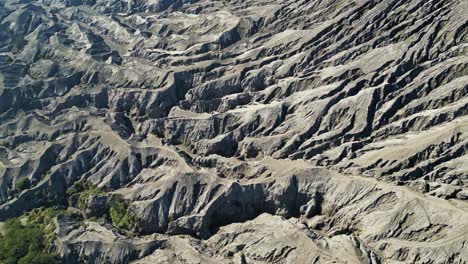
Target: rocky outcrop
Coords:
[(92, 243), (278, 218)]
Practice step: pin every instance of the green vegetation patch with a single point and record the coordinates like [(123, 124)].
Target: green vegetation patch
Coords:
[(120, 214), (85, 190), (22, 184), (118, 209), (85, 195), (79, 187), (28, 238)]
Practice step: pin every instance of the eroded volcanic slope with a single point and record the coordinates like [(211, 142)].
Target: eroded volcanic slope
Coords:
[(248, 131)]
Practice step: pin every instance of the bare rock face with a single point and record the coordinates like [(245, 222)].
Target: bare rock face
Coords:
[(93, 243), (239, 131)]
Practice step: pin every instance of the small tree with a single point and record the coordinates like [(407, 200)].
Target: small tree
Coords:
[(22, 184)]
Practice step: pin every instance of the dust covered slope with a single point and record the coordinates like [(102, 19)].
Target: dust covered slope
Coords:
[(239, 131)]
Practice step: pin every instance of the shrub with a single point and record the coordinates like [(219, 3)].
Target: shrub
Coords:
[(84, 190), (18, 241), (26, 241), (45, 218), (79, 187), (38, 258), (82, 200), (22, 184), (119, 213)]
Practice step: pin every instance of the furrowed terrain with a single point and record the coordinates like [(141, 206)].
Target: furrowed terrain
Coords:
[(245, 131)]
